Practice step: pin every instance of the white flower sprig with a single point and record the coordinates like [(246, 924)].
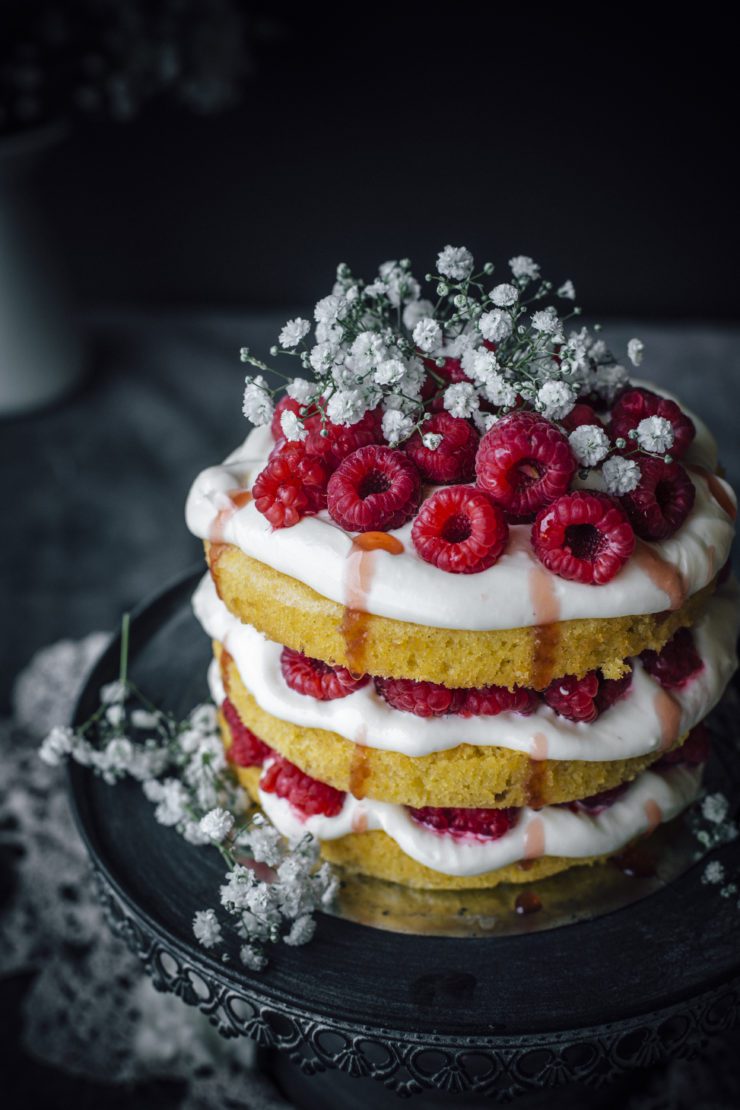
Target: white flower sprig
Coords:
[(184, 773), (383, 345)]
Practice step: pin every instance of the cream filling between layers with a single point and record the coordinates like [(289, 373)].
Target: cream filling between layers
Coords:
[(317, 552), (551, 831), (647, 719)]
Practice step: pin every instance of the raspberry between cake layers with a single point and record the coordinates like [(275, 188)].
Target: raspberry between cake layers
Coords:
[(466, 645)]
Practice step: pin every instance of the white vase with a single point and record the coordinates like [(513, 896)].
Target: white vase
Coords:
[(40, 350)]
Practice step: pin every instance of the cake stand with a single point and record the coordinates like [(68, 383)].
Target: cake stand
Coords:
[(646, 970)]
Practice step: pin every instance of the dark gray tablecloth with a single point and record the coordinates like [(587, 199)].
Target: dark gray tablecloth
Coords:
[(94, 488)]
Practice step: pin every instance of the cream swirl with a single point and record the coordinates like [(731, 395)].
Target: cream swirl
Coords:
[(316, 551), (646, 720), (653, 797)]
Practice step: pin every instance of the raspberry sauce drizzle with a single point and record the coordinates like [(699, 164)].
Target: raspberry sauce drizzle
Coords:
[(546, 633), (669, 714), (358, 580), (527, 902), (717, 490), (661, 573)]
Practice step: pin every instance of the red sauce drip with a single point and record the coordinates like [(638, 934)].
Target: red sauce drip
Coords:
[(717, 490), (662, 573), (527, 902), (534, 839), (359, 576), (359, 772), (225, 666), (378, 541), (239, 497), (546, 634), (669, 715), (654, 815), (636, 861)]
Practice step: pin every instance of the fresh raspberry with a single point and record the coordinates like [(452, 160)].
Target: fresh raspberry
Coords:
[(246, 749), (374, 489), (611, 690), (487, 824), (309, 796), (334, 442), (579, 415), (488, 701), (291, 486), (676, 662), (454, 459), (574, 698), (662, 500), (694, 750), (317, 679), (583, 699), (285, 404), (583, 536), (524, 462), (425, 699), (635, 405), (460, 530), (597, 803)]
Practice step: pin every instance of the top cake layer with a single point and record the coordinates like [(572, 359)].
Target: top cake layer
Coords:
[(389, 579)]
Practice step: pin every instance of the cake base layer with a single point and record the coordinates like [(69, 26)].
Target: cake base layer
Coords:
[(468, 776), (375, 854), (289, 612)]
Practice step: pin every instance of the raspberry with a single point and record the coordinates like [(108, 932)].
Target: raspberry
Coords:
[(635, 405), (317, 679), (374, 489), (662, 500), (694, 750), (524, 462), (583, 699), (291, 486), (425, 699), (574, 698), (583, 536), (580, 414), (487, 824), (676, 662), (309, 796), (597, 803), (488, 701), (246, 749), (460, 530), (454, 458), (334, 442)]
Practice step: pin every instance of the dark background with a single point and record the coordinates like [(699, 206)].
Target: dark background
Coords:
[(600, 140)]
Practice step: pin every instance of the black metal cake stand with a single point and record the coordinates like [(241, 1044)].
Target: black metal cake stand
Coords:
[(582, 998)]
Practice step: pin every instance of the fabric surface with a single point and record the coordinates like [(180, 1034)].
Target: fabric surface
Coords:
[(98, 486)]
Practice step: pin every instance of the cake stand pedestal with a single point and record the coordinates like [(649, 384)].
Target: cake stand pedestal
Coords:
[(453, 1020)]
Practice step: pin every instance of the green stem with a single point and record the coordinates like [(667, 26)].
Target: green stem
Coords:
[(123, 667)]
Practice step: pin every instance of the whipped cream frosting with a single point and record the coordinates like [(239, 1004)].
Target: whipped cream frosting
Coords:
[(647, 719), (516, 592), (653, 797)]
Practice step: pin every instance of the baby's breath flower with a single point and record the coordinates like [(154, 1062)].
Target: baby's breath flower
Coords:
[(376, 289), (207, 928), (368, 350), (479, 363), (609, 379), (504, 295), (546, 321), (715, 808), (329, 309), (495, 326), (432, 440), (635, 349), (346, 406), (714, 873), (56, 746), (252, 957), (293, 332), (115, 714), (301, 931), (217, 824), (499, 391), (461, 399), (396, 427), (265, 844), (427, 334), (300, 390), (144, 719), (455, 263), (292, 426), (589, 443), (620, 475), (484, 421), (555, 400), (655, 434), (523, 267), (567, 291), (113, 693), (322, 357), (257, 404), (390, 371), (415, 311)]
